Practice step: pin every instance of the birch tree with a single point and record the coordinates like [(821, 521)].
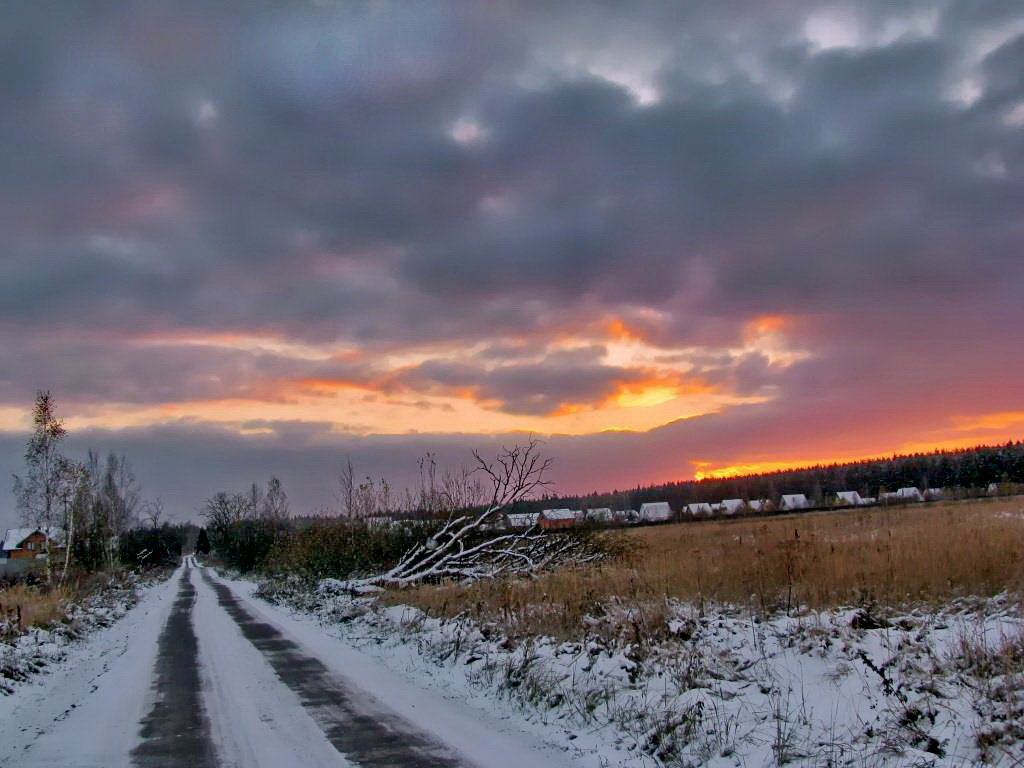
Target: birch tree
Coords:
[(39, 491)]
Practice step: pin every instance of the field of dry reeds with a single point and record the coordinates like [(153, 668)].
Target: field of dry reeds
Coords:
[(881, 557)]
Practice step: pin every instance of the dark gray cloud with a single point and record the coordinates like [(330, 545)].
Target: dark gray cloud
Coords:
[(504, 174)]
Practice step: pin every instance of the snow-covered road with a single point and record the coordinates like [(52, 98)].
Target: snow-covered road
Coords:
[(201, 674)]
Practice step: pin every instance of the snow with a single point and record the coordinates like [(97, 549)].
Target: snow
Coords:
[(560, 514), (85, 712), (495, 739), (713, 686)]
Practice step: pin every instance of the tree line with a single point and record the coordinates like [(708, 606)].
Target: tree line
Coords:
[(970, 470)]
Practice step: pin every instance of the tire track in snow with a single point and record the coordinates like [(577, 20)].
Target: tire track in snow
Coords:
[(363, 732), (176, 731)]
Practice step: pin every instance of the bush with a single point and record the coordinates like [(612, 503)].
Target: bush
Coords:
[(342, 548)]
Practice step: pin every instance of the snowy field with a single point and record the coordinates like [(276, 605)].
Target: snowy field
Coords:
[(927, 687)]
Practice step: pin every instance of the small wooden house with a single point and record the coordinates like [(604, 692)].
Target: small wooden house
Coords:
[(27, 543), (554, 519)]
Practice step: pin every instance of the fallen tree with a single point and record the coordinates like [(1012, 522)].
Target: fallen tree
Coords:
[(467, 547)]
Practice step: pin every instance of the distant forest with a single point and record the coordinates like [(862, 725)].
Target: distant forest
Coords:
[(970, 468)]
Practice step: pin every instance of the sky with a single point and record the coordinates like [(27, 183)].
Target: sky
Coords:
[(241, 238)]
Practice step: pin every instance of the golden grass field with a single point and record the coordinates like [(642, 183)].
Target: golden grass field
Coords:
[(879, 556)]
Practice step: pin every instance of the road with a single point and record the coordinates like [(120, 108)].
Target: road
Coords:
[(201, 674)]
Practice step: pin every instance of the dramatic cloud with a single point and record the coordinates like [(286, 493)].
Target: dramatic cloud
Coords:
[(747, 232)]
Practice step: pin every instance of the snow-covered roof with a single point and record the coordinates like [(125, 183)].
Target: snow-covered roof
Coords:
[(757, 504), (850, 497), (15, 536), (791, 500), (600, 513), (522, 519), (561, 514), (655, 510), (699, 507), (731, 505)]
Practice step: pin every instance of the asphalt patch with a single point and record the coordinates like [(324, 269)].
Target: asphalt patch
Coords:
[(176, 732)]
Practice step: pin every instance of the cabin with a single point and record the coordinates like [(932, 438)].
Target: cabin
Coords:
[(655, 512), (522, 519), (600, 515), (851, 498), (557, 519), (758, 505), (731, 506), (700, 509), (628, 516), (28, 543), (909, 494), (794, 501)]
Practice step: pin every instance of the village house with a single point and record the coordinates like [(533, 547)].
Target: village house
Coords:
[(555, 519), (655, 512), (522, 519), (731, 506), (794, 501), (600, 515), (758, 505), (25, 543), (852, 498), (904, 495), (700, 509)]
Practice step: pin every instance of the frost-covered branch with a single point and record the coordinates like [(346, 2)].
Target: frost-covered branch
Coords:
[(465, 547)]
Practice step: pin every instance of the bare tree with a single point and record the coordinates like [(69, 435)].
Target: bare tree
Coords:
[(463, 549), (347, 488), (152, 511), (275, 502)]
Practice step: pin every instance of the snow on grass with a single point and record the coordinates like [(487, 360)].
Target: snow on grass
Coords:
[(727, 687), (37, 648)]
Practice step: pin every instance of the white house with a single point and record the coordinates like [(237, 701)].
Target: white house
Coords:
[(852, 498), (655, 511), (600, 515), (758, 505), (910, 494), (522, 519), (794, 501), (700, 508), (903, 495), (731, 506)]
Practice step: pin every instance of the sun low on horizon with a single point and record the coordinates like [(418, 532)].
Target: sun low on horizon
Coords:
[(676, 242)]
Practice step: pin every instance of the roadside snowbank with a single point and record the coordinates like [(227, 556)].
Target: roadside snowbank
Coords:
[(725, 687)]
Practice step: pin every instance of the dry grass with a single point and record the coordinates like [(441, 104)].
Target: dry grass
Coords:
[(40, 606), (885, 557)]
